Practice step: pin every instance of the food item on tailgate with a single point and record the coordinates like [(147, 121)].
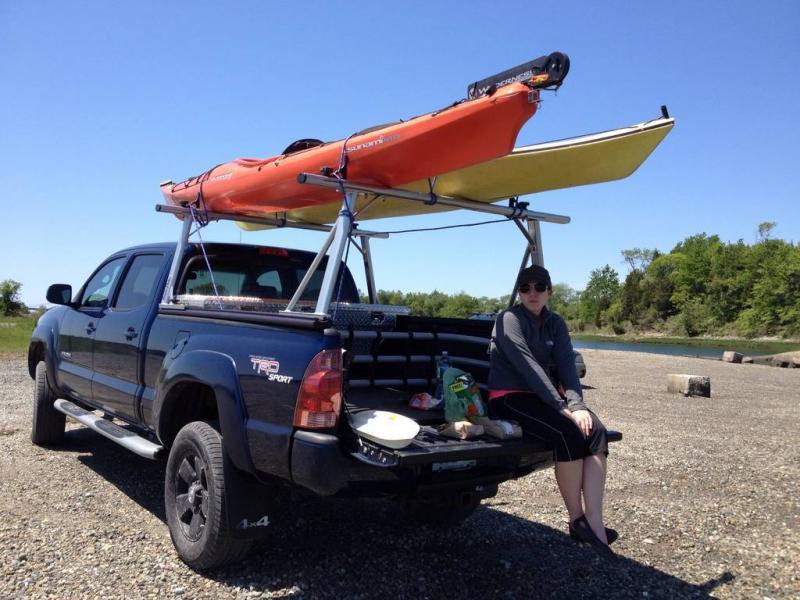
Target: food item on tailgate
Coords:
[(500, 429), (461, 430), (424, 401), (462, 398)]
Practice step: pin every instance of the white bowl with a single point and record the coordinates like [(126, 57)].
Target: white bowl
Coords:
[(384, 428)]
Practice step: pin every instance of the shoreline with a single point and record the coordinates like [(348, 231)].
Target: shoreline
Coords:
[(752, 345)]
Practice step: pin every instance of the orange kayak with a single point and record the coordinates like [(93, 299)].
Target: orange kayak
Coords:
[(465, 134)]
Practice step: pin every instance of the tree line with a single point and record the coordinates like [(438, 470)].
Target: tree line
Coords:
[(702, 286), (439, 304)]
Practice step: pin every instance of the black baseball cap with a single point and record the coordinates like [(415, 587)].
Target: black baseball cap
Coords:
[(534, 274)]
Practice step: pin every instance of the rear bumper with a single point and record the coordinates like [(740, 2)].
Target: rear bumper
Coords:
[(319, 464)]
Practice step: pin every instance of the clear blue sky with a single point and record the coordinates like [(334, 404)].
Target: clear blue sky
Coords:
[(103, 100)]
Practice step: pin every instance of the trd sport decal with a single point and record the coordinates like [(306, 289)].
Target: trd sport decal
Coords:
[(269, 367)]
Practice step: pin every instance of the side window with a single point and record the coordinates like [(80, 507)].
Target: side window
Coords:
[(96, 292), (137, 287)]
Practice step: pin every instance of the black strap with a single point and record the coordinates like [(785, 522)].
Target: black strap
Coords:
[(433, 199)]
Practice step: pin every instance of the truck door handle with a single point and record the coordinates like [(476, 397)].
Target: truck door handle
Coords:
[(90, 329), (130, 334)]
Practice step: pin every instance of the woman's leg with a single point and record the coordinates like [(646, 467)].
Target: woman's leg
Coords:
[(569, 476), (593, 483), (539, 420), (594, 476)]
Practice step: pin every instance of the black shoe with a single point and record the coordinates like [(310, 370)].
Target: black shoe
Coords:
[(580, 530), (611, 534)]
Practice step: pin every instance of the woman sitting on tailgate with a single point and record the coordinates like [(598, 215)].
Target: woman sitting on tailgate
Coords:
[(529, 344)]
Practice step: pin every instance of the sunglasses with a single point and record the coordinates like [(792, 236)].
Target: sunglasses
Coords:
[(538, 286)]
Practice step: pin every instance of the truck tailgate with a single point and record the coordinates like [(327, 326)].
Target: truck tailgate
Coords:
[(430, 447)]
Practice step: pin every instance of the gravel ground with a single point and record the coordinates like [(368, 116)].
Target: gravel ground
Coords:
[(702, 491)]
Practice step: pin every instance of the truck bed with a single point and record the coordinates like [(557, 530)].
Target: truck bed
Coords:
[(392, 400), (429, 444)]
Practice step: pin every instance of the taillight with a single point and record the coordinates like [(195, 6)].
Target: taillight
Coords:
[(320, 397)]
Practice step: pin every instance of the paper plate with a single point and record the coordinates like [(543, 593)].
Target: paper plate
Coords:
[(385, 428)]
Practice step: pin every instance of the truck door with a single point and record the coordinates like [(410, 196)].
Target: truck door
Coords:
[(121, 336), (77, 332)]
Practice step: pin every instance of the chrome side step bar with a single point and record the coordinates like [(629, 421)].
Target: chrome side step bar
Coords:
[(104, 427)]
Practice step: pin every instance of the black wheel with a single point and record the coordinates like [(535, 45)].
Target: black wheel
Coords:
[(194, 496), (48, 423), (445, 511)]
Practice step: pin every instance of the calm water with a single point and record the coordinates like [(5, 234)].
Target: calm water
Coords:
[(671, 349)]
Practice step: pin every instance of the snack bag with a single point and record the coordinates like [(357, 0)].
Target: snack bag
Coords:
[(424, 401), (462, 398)]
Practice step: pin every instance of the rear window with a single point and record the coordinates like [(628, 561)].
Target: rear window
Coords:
[(245, 273)]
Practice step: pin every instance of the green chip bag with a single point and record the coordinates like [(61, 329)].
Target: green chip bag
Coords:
[(462, 398)]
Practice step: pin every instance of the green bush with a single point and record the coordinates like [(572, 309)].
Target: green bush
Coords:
[(10, 305), (695, 318)]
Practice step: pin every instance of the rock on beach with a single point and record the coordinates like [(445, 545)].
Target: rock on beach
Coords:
[(789, 360)]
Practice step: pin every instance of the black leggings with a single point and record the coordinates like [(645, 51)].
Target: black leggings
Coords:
[(541, 421)]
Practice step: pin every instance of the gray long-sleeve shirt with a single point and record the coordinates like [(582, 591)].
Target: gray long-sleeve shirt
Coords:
[(524, 352)]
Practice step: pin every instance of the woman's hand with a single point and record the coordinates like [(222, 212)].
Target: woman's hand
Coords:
[(583, 420)]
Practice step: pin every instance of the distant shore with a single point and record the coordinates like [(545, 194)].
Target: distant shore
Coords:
[(754, 346)]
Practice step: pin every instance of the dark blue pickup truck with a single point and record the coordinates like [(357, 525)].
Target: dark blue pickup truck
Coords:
[(246, 367), (242, 396)]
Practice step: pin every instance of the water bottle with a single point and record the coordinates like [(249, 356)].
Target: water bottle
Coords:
[(442, 364)]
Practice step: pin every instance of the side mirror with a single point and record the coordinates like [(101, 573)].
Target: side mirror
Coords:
[(59, 293)]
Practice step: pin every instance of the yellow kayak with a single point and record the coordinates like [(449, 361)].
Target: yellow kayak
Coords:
[(571, 162)]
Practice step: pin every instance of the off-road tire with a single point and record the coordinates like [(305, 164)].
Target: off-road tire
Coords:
[(47, 428), (194, 498)]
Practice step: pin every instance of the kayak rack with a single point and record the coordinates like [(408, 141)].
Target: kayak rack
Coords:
[(169, 297), (427, 198), (345, 229), (277, 222), (516, 212)]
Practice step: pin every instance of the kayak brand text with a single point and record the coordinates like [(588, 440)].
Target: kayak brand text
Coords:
[(384, 139)]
